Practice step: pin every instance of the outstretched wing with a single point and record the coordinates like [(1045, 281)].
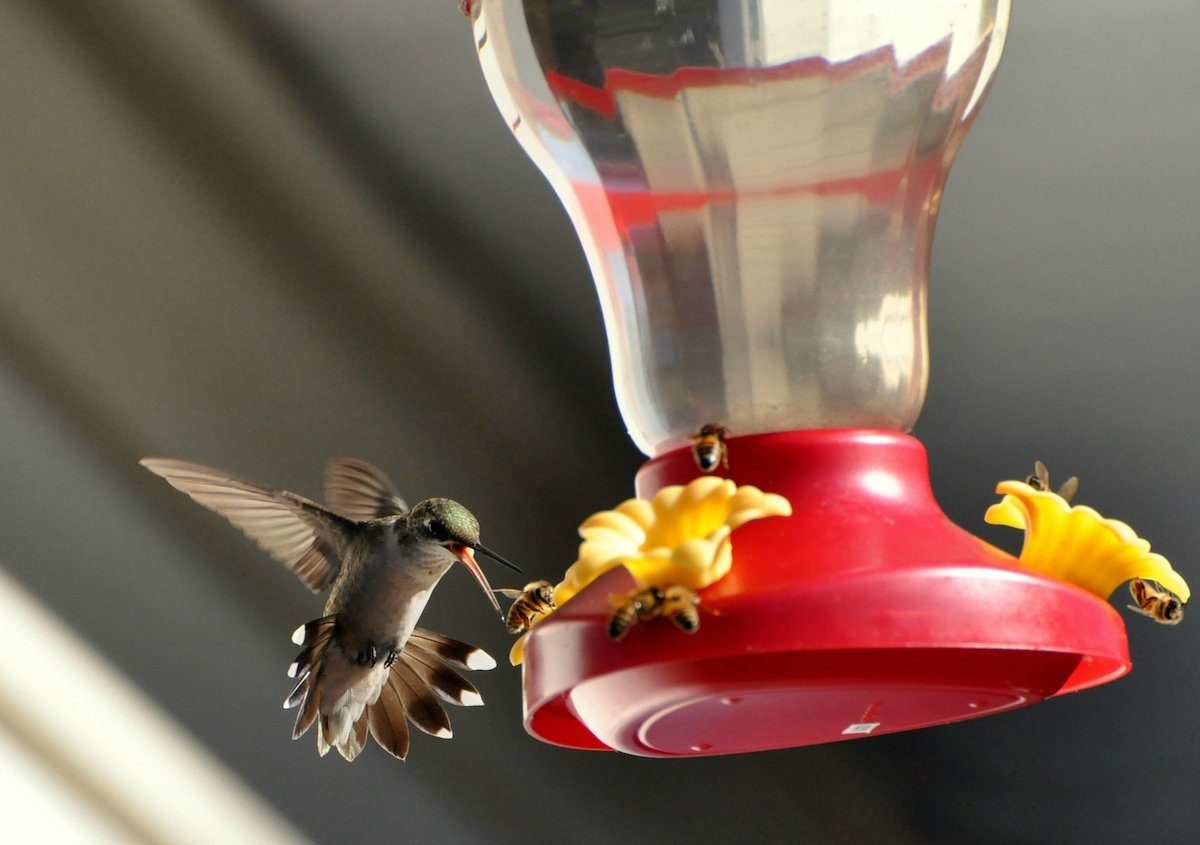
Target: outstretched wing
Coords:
[(297, 532), (361, 491)]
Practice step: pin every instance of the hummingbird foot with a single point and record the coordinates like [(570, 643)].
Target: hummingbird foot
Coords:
[(368, 655), (391, 658)]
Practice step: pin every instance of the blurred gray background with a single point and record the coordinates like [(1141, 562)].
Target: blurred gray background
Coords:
[(263, 233)]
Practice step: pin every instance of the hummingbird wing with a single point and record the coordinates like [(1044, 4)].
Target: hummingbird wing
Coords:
[(297, 532), (361, 491)]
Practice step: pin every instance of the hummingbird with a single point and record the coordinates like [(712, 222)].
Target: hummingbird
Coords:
[(364, 665)]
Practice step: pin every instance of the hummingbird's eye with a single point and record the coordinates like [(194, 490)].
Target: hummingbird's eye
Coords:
[(437, 531)]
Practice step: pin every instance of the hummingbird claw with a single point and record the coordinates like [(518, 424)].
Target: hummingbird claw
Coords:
[(368, 656), (391, 658)]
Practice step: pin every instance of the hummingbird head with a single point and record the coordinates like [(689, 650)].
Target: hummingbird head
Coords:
[(452, 526)]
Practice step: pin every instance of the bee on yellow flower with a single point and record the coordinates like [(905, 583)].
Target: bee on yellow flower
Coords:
[(1078, 545), (680, 539)]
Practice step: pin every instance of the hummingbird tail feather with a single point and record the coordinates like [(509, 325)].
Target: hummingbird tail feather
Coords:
[(448, 684), (454, 652), (388, 723), (347, 702), (323, 736), (420, 702), (314, 636), (308, 667), (353, 744), (331, 691), (350, 687)]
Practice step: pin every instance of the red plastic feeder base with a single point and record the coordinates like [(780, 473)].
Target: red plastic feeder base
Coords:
[(865, 612)]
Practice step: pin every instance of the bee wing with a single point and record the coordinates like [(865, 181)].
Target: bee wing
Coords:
[(510, 594), (1069, 488), (1043, 474), (1139, 589), (297, 532), (1140, 610), (361, 491)]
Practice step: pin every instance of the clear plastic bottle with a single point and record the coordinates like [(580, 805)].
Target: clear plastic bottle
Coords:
[(755, 183)]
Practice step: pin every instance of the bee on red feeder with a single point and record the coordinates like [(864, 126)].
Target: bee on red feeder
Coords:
[(708, 447), (679, 604)]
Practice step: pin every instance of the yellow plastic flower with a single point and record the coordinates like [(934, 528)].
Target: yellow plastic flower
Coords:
[(1077, 544), (681, 537)]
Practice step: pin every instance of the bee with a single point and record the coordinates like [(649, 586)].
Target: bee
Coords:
[(1153, 601), (708, 447), (682, 606), (536, 599), (625, 615), (679, 604), (1040, 480)]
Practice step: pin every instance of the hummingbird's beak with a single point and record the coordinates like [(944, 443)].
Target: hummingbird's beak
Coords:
[(480, 547), (466, 556)]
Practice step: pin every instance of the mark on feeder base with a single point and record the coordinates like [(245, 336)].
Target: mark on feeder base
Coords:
[(860, 728)]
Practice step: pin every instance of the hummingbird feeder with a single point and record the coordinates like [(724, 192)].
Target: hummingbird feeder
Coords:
[(755, 184)]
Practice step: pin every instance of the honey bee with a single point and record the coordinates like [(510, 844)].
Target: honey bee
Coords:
[(679, 604), (537, 598), (1153, 601), (708, 447), (625, 615), (1040, 480)]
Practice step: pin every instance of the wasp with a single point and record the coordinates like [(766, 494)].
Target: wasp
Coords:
[(679, 604), (1152, 600), (708, 447), (536, 599), (1040, 480)]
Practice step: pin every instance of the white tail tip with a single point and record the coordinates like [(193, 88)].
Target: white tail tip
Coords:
[(480, 660)]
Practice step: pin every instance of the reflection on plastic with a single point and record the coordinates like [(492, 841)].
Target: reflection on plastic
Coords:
[(755, 185)]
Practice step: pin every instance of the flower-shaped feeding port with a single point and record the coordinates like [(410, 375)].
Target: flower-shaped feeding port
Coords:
[(680, 538), (1079, 545)]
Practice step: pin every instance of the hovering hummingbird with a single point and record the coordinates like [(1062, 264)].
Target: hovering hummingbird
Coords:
[(364, 664)]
